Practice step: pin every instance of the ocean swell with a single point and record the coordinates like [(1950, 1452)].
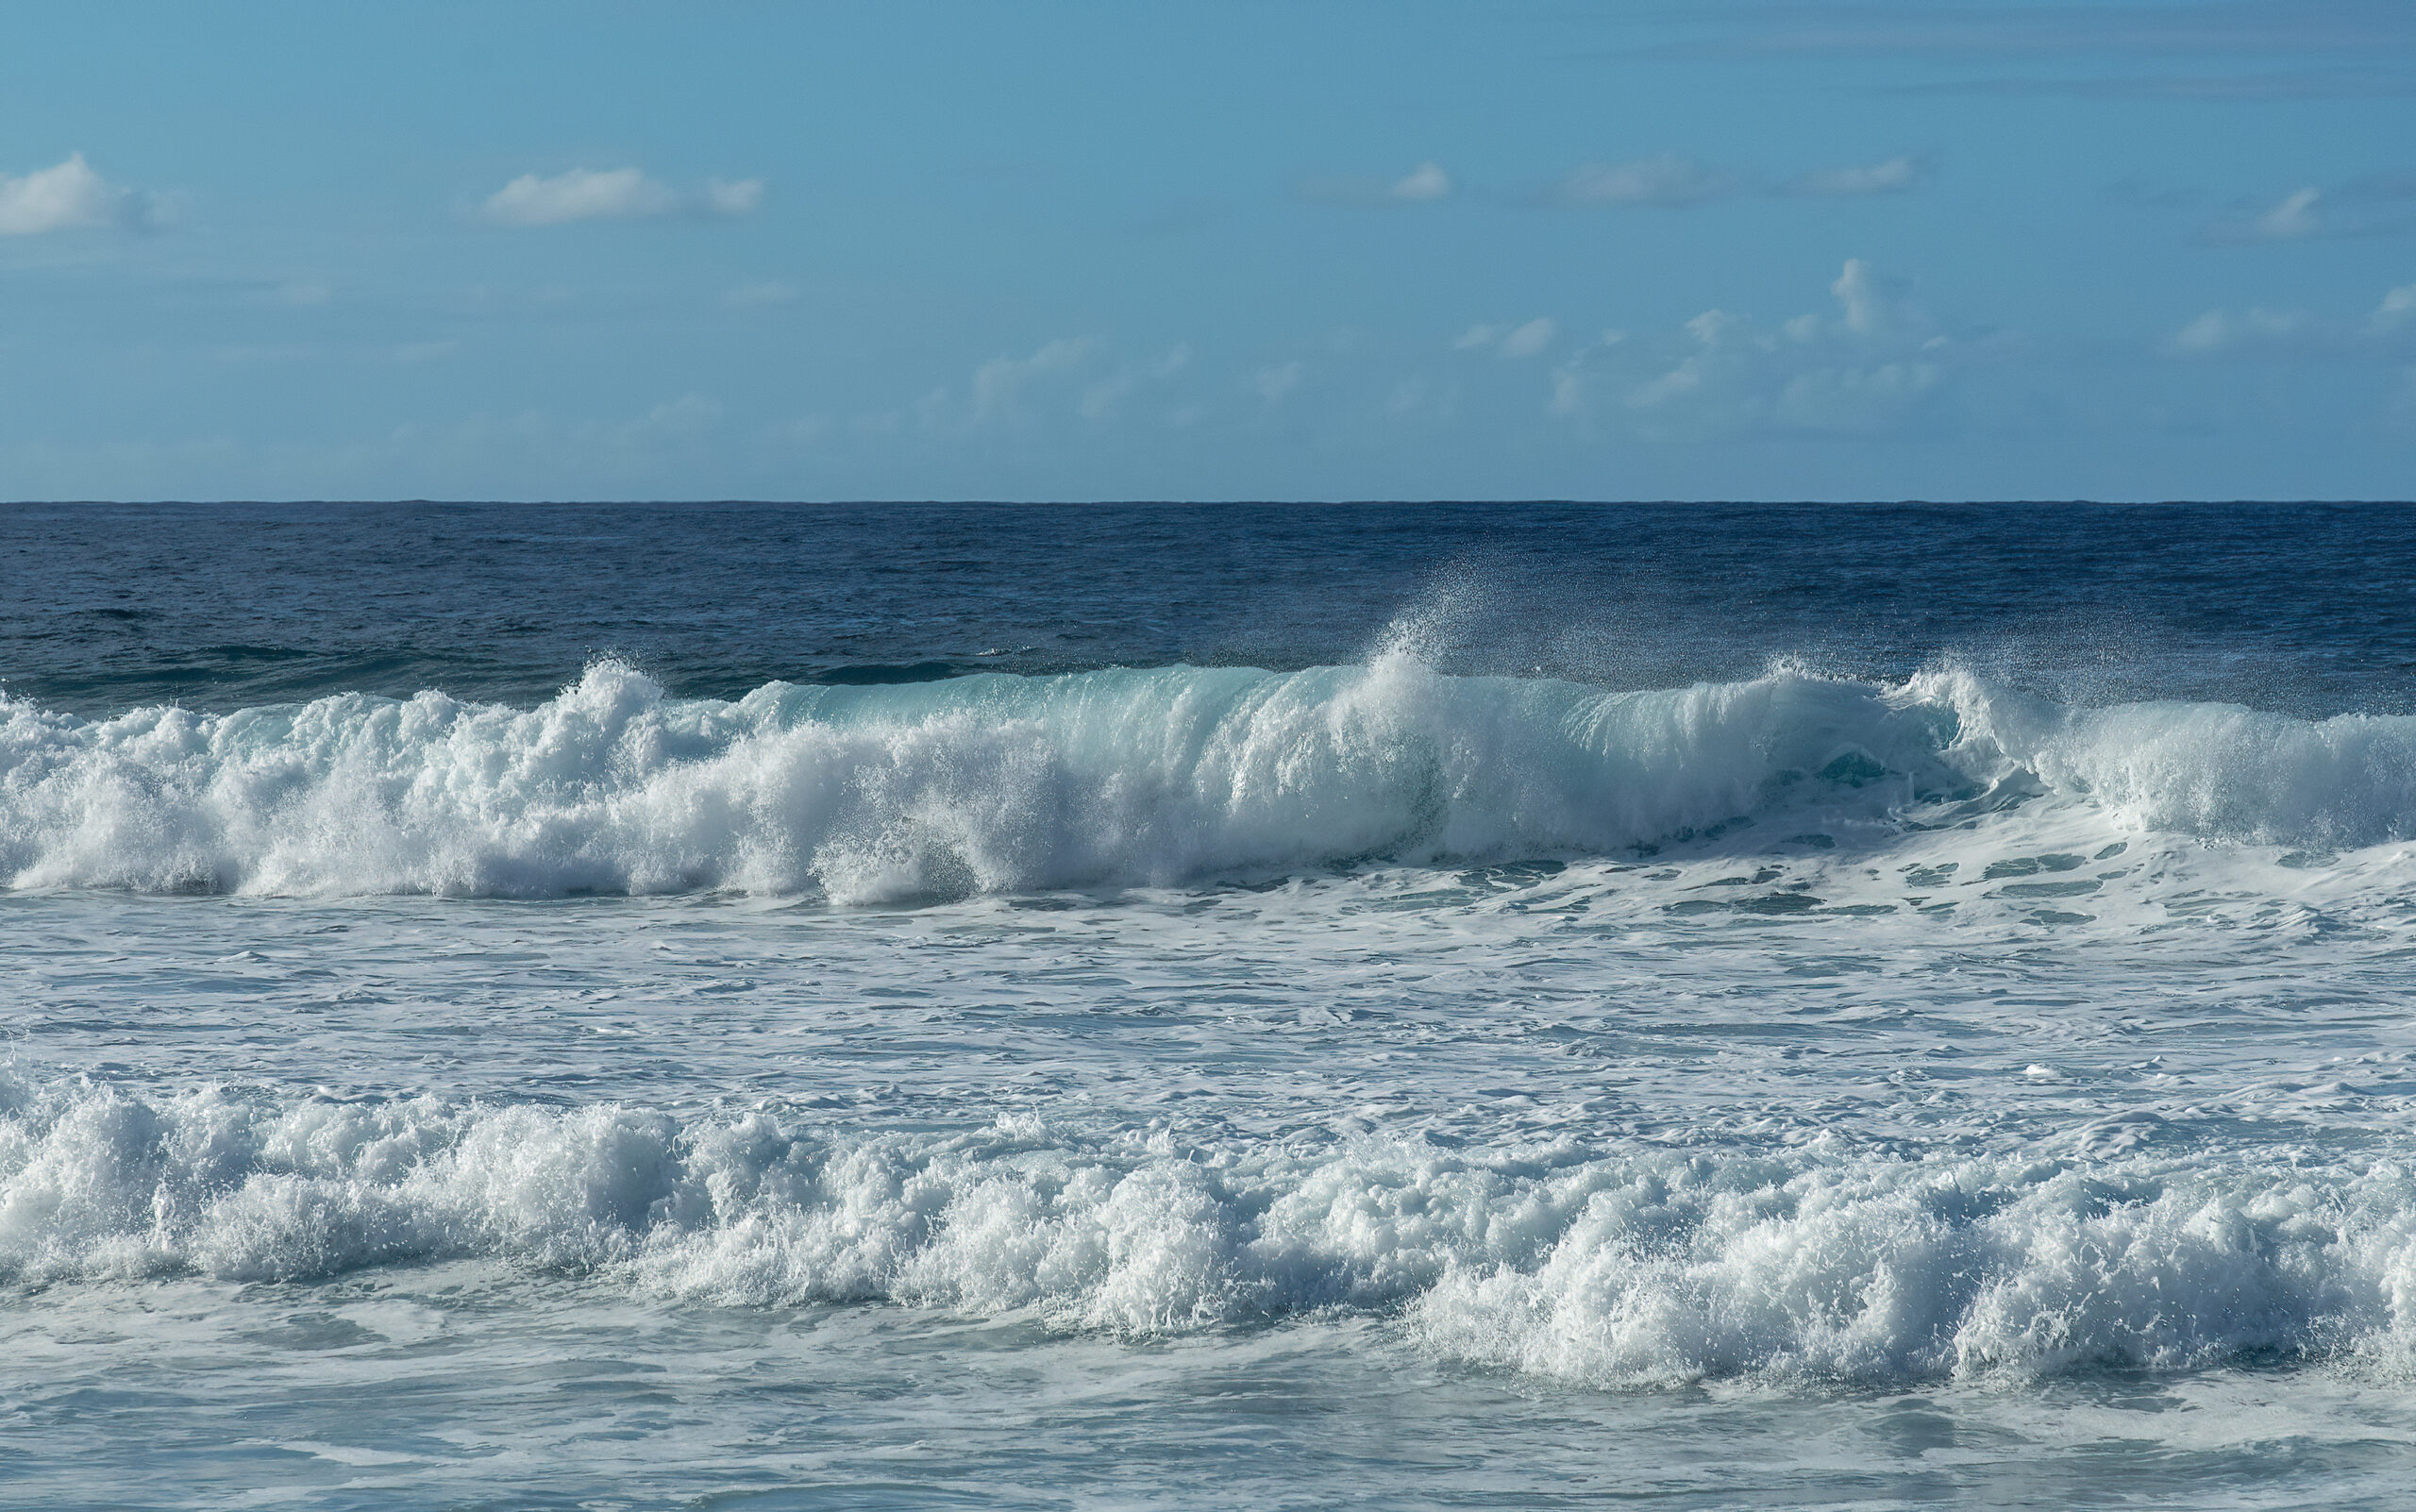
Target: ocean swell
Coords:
[(1001, 783)]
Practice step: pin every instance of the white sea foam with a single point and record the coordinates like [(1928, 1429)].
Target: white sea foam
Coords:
[(1001, 783), (1642, 1268)]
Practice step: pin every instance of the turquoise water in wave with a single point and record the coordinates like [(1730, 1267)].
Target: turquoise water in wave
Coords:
[(1531, 1007)]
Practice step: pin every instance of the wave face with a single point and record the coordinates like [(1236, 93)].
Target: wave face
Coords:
[(1000, 783), (1650, 1270)]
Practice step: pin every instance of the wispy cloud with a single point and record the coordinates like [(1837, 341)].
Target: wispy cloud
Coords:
[(2367, 208), (1426, 181), (1869, 364), (2295, 217), (619, 193), (1669, 180), (2219, 332), (1103, 397), (685, 418), (1896, 175), (1275, 382), (2387, 332), (1071, 378), (1000, 386), (1422, 185), (2396, 313), (70, 196), (1530, 339), (731, 197), (1675, 181)]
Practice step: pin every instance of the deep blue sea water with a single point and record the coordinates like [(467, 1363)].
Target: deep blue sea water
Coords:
[(1407, 1007)]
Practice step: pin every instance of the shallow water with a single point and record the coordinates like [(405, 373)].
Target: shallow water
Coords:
[(1441, 1064)]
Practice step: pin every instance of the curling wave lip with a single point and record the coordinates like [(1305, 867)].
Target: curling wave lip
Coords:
[(1001, 784)]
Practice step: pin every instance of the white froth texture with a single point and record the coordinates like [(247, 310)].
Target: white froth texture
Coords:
[(1001, 784), (1644, 1269)]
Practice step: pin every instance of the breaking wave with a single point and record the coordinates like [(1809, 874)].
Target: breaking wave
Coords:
[(999, 783), (1652, 1269)]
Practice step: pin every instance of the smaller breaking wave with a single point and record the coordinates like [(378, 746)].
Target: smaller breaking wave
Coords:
[(999, 783), (1638, 1270)]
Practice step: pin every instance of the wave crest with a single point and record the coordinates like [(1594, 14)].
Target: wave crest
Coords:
[(1000, 783)]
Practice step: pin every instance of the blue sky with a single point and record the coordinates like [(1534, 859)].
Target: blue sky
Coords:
[(1055, 251)]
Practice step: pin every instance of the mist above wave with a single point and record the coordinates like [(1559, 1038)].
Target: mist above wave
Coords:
[(1001, 783)]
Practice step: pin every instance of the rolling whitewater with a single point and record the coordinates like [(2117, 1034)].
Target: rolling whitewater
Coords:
[(1115, 1006)]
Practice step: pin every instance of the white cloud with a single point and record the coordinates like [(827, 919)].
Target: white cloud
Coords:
[(2258, 331), (1668, 180), (1070, 378), (67, 197), (1714, 333), (1855, 399), (2396, 312), (2219, 332), (1866, 365), (1528, 339), (681, 419), (1426, 181), (2295, 217), (1867, 304), (1894, 176), (581, 194), (2292, 218), (731, 197), (619, 193), (2372, 205), (1101, 398), (1569, 396), (1423, 184), (1001, 384)]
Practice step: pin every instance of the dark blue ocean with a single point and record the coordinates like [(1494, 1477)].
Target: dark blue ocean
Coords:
[(2301, 608), (1226, 1005)]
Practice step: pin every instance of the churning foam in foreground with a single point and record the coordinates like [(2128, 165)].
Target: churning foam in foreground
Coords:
[(1657, 1268), (1003, 783)]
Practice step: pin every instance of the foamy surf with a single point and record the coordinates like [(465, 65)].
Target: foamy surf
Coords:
[(1645, 1268), (1968, 1062), (1164, 777)]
